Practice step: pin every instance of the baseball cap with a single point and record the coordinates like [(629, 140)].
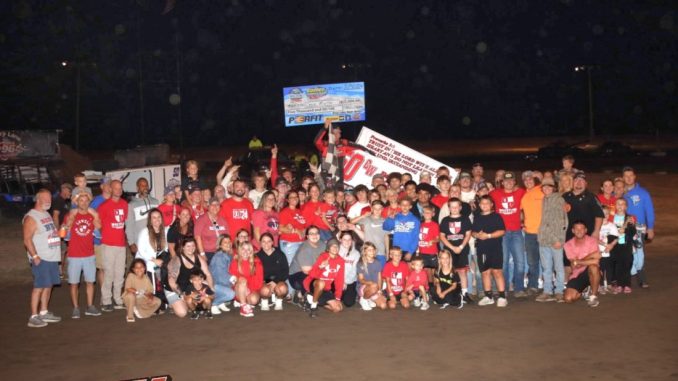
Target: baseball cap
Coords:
[(213, 200), (168, 190), (580, 175), (67, 185), (548, 182), (105, 180), (527, 174), (281, 180), (331, 242), (508, 175), (465, 175)]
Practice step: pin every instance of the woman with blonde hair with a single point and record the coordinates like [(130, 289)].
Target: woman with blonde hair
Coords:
[(247, 277)]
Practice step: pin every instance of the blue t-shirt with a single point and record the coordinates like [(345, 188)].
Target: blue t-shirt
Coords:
[(371, 271), (405, 231), (98, 200)]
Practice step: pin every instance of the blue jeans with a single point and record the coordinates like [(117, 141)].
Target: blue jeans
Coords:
[(532, 251), (473, 270), (513, 245), (552, 261), (639, 253), (222, 294), (290, 250)]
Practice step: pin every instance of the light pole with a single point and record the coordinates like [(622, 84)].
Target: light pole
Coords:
[(78, 66), (588, 69)]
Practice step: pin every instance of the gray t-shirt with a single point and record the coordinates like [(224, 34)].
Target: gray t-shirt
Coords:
[(374, 232), (306, 256), (371, 271)]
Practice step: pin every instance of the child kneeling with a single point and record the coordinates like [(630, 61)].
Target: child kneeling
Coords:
[(138, 296)]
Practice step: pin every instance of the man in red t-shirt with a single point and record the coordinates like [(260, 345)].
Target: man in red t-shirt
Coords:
[(237, 210), (81, 223), (507, 205), (584, 255), (113, 213)]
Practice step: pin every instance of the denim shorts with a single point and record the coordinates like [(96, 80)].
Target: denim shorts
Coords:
[(172, 297), (85, 265), (46, 274)]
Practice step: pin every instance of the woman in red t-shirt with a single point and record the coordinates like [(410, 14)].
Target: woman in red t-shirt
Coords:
[(265, 219), (247, 276), (292, 225), (607, 197)]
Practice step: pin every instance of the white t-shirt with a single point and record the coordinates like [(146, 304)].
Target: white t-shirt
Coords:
[(355, 209), (608, 228)]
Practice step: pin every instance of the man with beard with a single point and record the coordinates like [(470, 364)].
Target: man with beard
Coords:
[(237, 210), (137, 215)]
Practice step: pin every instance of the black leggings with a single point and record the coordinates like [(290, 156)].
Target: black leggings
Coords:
[(297, 281), (349, 295), (453, 298), (621, 257), (607, 269)]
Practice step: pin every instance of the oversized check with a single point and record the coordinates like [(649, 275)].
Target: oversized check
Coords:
[(389, 156), (338, 102)]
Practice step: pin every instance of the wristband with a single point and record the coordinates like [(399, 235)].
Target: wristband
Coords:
[(202, 254)]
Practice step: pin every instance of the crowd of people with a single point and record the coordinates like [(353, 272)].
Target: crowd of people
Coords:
[(277, 239)]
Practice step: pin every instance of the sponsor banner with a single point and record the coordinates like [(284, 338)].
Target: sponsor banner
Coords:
[(389, 156), (16, 144), (338, 102)]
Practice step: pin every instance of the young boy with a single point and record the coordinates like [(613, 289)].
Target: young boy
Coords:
[(326, 274), (608, 233), (444, 185), (328, 214), (80, 182), (394, 274), (373, 231), (198, 296), (455, 234), (417, 284), (488, 228), (405, 227), (429, 235)]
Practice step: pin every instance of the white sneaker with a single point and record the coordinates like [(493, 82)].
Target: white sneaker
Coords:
[(502, 302), (445, 305), (485, 301), (278, 305), (372, 303), (417, 302), (424, 306), (264, 305), (236, 303), (136, 313), (215, 310), (223, 307), (593, 301), (365, 305)]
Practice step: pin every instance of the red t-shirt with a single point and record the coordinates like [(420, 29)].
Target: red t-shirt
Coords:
[(385, 212), (296, 219), (237, 214), (507, 205), (417, 279), (196, 210), (113, 215), (428, 231), (254, 281), (333, 273), (267, 222), (396, 275), (209, 231), (610, 203), (81, 244), (439, 200), (169, 213)]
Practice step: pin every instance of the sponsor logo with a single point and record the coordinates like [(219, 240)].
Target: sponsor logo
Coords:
[(304, 119), (316, 92), (296, 95)]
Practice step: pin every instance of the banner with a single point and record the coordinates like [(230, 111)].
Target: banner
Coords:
[(15, 144), (389, 156), (339, 102)]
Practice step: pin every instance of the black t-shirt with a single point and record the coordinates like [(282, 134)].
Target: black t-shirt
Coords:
[(187, 184), (583, 207), (175, 237), (275, 266), (455, 229), (206, 290), (488, 223), (448, 280), (63, 206)]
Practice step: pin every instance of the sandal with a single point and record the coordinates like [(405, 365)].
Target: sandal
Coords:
[(130, 319)]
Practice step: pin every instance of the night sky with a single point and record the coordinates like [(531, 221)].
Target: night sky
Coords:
[(432, 69)]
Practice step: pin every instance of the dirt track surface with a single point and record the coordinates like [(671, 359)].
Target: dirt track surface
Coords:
[(628, 337)]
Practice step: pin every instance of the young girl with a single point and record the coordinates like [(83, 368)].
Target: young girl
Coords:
[(395, 272), (621, 253), (276, 272), (416, 287), (223, 288), (198, 296), (455, 234), (488, 228), (326, 274), (241, 237), (608, 234), (607, 198), (247, 276), (369, 279), (446, 281), (192, 180), (351, 257), (138, 296)]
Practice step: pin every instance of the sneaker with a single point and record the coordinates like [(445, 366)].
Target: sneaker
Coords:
[(424, 306), (313, 312), (130, 319), (107, 307), (467, 299), (593, 301), (444, 306), (118, 306), (560, 298), (602, 290), (49, 317), (365, 305), (372, 303), (586, 293), (76, 313), (223, 307), (644, 285), (36, 322), (246, 310), (92, 311), (545, 298), (215, 310), (298, 300), (236, 303), (485, 301), (195, 315), (136, 312), (520, 294), (502, 302), (627, 290), (278, 305), (532, 291), (208, 314), (264, 305), (417, 302), (617, 290)]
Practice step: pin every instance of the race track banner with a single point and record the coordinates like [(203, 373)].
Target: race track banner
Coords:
[(338, 102), (17, 144), (389, 156)]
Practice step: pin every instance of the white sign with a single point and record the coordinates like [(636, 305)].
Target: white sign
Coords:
[(389, 156)]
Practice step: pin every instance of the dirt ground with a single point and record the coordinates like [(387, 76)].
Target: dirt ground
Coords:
[(628, 337)]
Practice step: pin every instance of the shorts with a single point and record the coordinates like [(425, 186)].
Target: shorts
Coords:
[(46, 274), (430, 261), (580, 282), (460, 261), (172, 297), (325, 297), (491, 261), (84, 265), (98, 254)]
